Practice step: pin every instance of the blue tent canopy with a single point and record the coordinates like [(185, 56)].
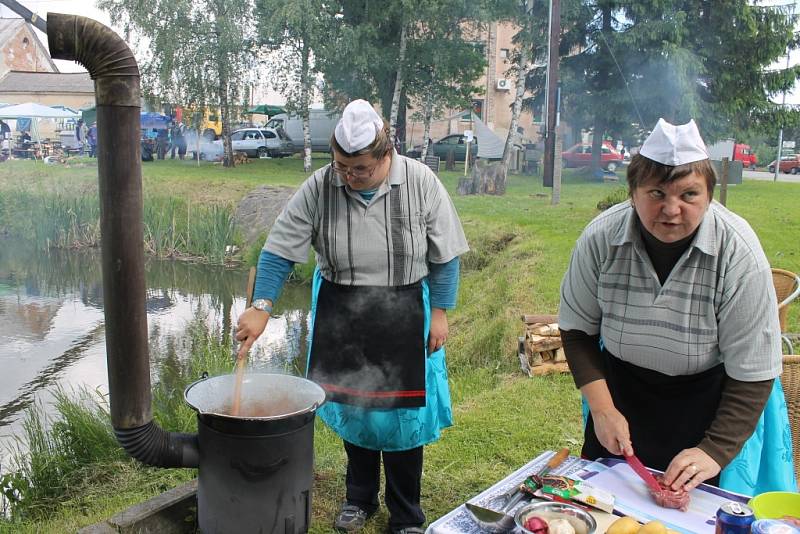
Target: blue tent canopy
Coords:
[(153, 120)]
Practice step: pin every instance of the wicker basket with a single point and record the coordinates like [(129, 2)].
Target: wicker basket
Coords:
[(786, 284), (791, 390)]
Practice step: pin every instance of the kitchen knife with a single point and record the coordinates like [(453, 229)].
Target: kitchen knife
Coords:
[(643, 472)]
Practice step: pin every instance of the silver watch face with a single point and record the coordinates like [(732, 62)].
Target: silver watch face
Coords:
[(261, 304)]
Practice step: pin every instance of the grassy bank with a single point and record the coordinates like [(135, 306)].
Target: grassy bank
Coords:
[(520, 248)]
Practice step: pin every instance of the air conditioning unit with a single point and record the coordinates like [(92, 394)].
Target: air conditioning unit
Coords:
[(503, 84)]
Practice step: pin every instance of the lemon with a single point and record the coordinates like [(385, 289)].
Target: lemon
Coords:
[(624, 525), (653, 527)]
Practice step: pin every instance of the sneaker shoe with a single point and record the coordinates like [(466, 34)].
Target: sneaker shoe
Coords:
[(408, 530), (351, 518)]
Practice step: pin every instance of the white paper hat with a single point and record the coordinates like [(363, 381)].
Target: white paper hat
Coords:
[(674, 145), (358, 126)]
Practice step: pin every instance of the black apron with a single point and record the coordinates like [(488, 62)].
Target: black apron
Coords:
[(665, 414), (368, 347)]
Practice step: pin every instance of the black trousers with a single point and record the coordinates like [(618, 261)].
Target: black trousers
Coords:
[(403, 471)]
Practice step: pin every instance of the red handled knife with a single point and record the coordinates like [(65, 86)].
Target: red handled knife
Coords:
[(642, 471)]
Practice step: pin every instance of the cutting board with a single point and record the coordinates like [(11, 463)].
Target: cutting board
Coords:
[(633, 499)]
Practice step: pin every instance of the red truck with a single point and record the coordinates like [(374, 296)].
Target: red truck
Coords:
[(734, 151)]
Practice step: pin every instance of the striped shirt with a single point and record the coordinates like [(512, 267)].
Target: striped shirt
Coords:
[(387, 241), (718, 304)]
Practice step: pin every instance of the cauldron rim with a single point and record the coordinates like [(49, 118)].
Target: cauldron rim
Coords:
[(311, 408)]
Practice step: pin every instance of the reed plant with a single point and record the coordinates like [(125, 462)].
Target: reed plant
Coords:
[(53, 456), (64, 459), (172, 227)]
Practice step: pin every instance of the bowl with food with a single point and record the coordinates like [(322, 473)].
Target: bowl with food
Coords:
[(554, 518), (775, 505)]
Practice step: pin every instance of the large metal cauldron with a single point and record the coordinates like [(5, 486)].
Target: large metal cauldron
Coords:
[(256, 470)]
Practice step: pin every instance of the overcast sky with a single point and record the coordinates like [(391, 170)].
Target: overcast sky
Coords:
[(87, 8)]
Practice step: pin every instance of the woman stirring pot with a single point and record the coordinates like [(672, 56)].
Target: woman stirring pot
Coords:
[(387, 240), (670, 327)]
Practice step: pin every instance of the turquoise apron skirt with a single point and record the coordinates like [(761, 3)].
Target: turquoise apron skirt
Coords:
[(391, 429), (643, 396)]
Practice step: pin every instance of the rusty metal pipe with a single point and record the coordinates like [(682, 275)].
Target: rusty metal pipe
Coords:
[(115, 72)]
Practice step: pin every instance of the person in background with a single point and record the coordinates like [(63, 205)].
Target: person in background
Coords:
[(25, 140), (387, 240), (91, 138), (178, 140), (669, 321), (162, 142), (5, 130), (84, 132)]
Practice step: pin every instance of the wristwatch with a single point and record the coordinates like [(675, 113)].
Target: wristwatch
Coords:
[(263, 305)]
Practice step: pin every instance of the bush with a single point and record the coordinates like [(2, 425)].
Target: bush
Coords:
[(619, 195)]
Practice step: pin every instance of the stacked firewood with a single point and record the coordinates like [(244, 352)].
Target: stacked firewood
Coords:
[(540, 349)]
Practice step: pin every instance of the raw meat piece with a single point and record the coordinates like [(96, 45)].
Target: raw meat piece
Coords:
[(667, 498), (536, 524)]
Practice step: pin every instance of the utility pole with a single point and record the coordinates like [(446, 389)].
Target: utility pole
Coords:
[(552, 91), (783, 106)]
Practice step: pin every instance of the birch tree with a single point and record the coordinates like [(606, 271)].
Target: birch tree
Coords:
[(293, 30), (199, 52)]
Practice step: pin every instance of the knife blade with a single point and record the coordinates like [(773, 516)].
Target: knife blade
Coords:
[(639, 468)]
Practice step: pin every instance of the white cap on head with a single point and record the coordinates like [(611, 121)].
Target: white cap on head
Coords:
[(674, 145), (358, 126)]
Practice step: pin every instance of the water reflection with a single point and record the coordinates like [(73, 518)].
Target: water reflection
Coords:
[(52, 326)]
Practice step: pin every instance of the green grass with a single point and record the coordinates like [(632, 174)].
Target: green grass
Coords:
[(520, 246)]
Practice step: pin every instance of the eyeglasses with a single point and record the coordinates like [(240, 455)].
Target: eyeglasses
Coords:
[(357, 172)]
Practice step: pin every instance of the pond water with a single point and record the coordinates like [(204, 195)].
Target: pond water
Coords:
[(52, 326)]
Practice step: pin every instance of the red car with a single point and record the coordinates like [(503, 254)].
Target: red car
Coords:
[(789, 164), (581, 156)]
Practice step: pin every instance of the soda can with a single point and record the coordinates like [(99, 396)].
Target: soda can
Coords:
[(773, 526), (734, 518)]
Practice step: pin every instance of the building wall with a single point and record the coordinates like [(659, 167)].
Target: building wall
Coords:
[(496, 103), (24, 52), (72, 100)]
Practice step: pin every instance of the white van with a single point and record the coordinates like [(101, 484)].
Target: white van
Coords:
[(322, 123)]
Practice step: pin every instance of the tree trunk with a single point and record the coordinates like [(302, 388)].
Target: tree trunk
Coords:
[(304, 99), (517, 107), (486, 178), (398, 86), (426, 136), (222, 67)]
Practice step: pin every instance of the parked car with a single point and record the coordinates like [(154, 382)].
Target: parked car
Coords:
[(789, 164), (261, 142), (443, 146), (580, 155), (321, 122)]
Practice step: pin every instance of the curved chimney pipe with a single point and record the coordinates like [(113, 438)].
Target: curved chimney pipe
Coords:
[(118, 102)]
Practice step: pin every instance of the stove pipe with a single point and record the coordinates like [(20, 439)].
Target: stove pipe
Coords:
[(118, 102)]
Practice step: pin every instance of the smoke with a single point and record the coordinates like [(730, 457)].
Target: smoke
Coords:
[(209, 150)]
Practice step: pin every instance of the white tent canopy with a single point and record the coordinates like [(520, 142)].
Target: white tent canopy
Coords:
[(35, 111), (490, 145)]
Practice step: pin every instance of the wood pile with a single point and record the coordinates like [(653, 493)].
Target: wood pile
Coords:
[(540, 350)]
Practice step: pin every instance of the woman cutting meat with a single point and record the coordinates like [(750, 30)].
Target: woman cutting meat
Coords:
[(387, 240), (670, 327)]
